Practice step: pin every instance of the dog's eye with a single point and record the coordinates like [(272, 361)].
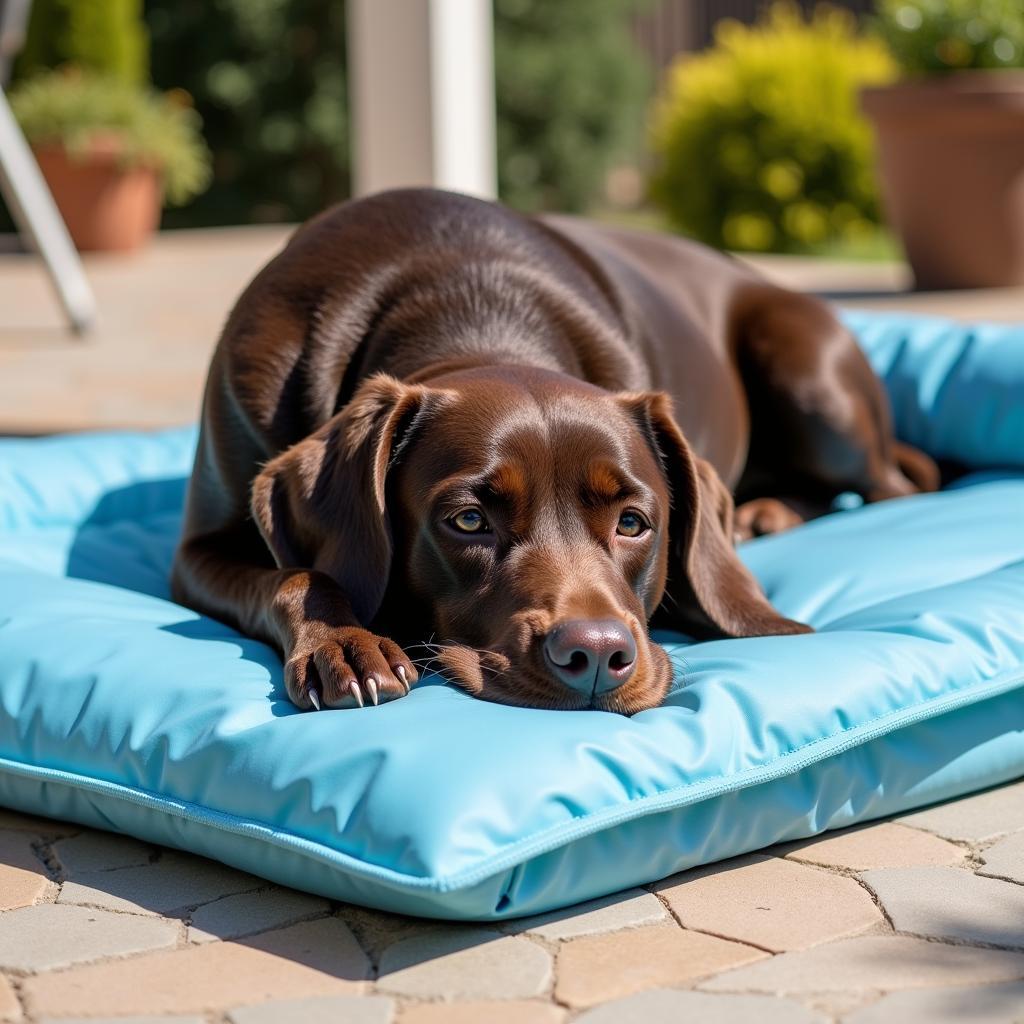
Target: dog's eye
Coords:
[(469, 520), (632, 524)]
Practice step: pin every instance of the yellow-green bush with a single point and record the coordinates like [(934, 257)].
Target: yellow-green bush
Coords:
[(759, 142)]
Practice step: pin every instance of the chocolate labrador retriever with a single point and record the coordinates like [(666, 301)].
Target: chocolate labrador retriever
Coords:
[(431, 417)]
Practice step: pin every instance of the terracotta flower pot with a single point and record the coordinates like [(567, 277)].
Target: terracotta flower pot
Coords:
[(951, 152), (105, 206)]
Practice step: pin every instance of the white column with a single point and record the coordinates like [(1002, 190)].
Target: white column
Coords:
[(421, 79)]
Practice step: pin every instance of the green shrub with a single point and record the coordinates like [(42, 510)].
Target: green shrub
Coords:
[(930, 37), (105, 36), (759, 142), (571, 89), (78, 110)]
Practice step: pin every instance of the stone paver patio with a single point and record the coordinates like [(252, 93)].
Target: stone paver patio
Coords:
[(919, 919), (160, 312)]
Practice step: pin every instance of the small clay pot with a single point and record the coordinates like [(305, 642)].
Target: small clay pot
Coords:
[(106, 207), (951, 154)]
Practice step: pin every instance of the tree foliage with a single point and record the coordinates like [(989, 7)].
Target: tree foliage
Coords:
[(268, 79), (104, 36), (571, 91)]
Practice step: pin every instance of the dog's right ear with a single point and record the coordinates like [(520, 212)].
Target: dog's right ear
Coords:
[(321, 503)]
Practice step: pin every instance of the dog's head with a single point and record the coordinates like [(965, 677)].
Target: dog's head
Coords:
[(526, 524)]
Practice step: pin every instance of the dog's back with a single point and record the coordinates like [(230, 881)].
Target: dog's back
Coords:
[(327, 357)]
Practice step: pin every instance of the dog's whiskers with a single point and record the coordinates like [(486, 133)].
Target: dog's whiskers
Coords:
[(423, 663), (435, 661)]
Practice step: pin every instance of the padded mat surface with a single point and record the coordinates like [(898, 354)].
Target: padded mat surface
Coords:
[(125, 711)]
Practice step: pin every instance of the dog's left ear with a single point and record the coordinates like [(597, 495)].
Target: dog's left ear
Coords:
[(710, 592)]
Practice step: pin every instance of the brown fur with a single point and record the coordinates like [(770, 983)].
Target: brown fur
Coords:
[(414, 353)]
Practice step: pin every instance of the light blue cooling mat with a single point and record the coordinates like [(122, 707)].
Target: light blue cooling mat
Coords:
[(124, 711)]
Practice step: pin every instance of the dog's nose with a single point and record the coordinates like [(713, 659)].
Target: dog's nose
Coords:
[(591, 656)]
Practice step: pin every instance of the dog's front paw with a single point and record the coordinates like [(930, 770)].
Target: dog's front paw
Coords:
[(345, 667)]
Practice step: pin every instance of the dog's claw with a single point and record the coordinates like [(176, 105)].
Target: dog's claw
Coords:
[(354, 687), (400, 672), (371, 687), (314, 698)]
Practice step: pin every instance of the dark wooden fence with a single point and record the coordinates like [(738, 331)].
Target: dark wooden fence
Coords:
[(670, 26)]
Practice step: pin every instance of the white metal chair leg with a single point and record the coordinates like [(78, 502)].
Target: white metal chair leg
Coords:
[(39, 221)]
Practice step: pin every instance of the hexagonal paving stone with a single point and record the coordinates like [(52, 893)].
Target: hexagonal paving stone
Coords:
[(995, 812), (45, 936), (987, 1004), (23, 878), (1005, 859), (665, 1006), (319, 1010), (612, 913), (771, 903), (465, 963), (885, 845), (174, 882), (947, 903), (248, 913), (100, 851), (598, 968), (377, 929), (871, 962), (507, 1012), (310, 959)]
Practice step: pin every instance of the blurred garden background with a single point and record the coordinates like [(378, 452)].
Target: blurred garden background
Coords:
[(868, 151), (736, 122)]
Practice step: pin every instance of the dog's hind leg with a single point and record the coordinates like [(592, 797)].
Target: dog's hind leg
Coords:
[(820, 420)]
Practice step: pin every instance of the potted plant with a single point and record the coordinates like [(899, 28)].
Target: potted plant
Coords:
[(111, 152), (951, 138)]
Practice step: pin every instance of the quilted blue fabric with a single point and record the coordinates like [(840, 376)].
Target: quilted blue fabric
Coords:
[(124, 711)]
